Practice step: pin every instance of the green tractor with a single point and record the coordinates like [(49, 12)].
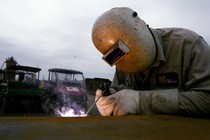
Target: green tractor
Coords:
[(19, 88)]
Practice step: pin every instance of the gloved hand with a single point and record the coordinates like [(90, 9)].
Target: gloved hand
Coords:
[(124, 102), (130, 102)]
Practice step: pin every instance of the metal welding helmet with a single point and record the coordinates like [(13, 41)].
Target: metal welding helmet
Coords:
[(124, 40)]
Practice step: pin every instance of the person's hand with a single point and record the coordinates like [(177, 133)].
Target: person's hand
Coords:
[(124, 102)]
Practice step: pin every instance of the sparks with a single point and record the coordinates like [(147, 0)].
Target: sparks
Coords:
[(69, 112)]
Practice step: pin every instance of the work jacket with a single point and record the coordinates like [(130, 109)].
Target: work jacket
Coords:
[(183, 63)]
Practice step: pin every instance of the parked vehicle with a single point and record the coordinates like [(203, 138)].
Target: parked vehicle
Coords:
[(67, 88), (19, 88), (68, 83)]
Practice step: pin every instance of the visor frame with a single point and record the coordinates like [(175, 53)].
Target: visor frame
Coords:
[(119, 51)]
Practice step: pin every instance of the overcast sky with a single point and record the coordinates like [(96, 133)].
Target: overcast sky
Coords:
[(57, 33)]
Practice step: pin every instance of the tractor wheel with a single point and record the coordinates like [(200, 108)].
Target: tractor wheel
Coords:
[(49, 104), (4, 105)]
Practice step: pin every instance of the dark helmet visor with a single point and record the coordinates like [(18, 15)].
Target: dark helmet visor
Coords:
[(118, 51)]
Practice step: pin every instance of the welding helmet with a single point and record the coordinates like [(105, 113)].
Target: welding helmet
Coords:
[(124, 40)]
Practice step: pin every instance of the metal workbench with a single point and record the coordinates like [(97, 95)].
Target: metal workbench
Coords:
[(104, 128)]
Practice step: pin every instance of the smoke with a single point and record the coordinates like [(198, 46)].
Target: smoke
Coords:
[(58, 104), (67, 93)]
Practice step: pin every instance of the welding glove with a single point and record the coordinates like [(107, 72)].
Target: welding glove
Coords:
[(132, 102), (124, 102)]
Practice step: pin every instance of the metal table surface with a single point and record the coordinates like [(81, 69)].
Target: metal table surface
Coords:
[(104, 128)]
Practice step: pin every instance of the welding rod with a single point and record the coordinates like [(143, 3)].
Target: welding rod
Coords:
[(93, 104)]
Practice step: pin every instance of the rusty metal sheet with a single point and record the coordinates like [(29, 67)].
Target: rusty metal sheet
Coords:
[(104, 128)]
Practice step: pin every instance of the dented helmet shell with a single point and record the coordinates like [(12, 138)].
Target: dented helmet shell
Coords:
[(125, 25)]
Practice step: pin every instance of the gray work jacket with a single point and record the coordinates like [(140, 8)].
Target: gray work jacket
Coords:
[(183, 63)]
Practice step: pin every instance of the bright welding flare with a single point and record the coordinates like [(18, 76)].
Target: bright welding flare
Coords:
[(69, 112)]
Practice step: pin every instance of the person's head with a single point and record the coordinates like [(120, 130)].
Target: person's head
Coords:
[(124, 40)]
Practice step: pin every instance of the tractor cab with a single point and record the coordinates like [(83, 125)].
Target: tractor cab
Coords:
[(68, 82), (19, 88)]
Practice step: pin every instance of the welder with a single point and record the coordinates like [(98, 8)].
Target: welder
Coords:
[(158, 71)]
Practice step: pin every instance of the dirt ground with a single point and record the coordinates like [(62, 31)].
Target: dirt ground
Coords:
[(34, 113)]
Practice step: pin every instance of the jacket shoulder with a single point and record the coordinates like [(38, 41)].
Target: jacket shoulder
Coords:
[(178, 34)]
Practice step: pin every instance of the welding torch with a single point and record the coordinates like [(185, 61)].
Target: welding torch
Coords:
[(104, 89)]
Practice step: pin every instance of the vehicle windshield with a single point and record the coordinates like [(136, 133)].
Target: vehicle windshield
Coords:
[(66, 77), (25, 77)]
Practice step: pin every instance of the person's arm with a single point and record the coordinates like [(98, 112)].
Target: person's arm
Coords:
[(123, 80), (192, 100), (118, 82)]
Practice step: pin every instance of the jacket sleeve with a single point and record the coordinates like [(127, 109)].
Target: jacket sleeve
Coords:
[(194, 100), (118, 82)]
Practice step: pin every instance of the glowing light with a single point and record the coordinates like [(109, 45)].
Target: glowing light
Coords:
[(69, 112)]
